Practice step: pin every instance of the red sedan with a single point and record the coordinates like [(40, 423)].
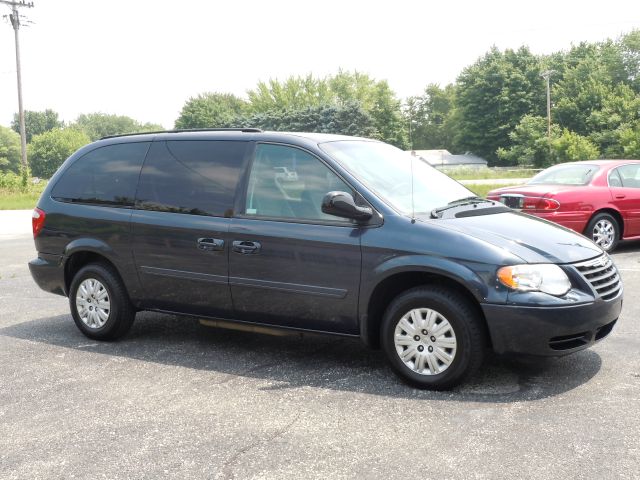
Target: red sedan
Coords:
[(598, 198)]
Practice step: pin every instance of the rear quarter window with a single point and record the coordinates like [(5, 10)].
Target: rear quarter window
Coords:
[(107, 175)]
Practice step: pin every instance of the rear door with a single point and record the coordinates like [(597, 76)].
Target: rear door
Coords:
[(290, 264), (624, 183), (181, 224)]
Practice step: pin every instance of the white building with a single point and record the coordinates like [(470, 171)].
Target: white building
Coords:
[(443, 159)]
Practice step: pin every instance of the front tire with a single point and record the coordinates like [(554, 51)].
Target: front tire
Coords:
[(433, 337), (604, 230), (99, 303)]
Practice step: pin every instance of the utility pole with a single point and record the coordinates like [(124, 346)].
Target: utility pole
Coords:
[(14, 17), (547, 75)]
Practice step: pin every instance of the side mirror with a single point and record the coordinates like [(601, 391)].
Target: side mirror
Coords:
[(341, 204)]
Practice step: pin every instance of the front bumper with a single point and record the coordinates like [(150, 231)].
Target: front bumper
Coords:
[(48, 272), (550, 331)]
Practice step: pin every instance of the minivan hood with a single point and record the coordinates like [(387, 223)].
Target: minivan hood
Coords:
[(533, 239)]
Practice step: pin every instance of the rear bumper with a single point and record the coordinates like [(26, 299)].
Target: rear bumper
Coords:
[(48, 272), (550, 331)]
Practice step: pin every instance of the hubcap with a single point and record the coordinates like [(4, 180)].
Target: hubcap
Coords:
[(603, 233), (92, 303), (430, 353)]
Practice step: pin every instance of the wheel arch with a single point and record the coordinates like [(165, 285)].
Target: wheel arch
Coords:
[(83, 251), (79, 259), (392, 285), (614, 213)]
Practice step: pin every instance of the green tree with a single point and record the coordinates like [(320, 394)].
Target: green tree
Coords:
[(387, 116), (629, 139), (430, 116), (49, 150), (493, 95), (377, 99), (298, 93), (294, 93), (98, 125), (9, 150), (530, 143), (571, 146), (211, 110), (348, 119), (630, 48), (37, 122), (594, 91), (531, 146)]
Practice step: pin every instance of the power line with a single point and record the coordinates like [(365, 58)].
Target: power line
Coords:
[(14, 18)]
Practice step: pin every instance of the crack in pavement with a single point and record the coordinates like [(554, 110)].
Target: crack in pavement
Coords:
[(227, 468)]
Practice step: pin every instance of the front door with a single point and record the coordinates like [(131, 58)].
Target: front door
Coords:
[(290, 264), (181, 225)]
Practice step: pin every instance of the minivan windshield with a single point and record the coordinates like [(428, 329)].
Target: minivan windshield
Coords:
[(571, 174), (386, 170)]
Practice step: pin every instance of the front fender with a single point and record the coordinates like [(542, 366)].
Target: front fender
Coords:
[(475, 280)]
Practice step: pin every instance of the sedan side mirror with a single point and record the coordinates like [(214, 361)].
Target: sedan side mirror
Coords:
[(341, 204)]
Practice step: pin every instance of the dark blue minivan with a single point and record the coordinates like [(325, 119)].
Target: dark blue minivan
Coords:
[(315, 232)]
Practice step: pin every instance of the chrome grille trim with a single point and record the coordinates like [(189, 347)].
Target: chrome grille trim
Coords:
[(602, 275)]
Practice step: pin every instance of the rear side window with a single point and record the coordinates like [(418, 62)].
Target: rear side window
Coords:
[(107, 175), (614, 178), (630, 175), (196, 177)]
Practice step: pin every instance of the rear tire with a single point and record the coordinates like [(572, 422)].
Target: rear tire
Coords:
[(433, 337), (604, 230), (99, 303)]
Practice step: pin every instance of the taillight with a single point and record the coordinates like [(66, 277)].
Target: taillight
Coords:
[(548, 204), (37, 221), (537, 203)]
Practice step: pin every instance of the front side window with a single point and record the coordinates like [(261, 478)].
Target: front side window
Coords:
[(195, 177), (287, 182), (630, 175), (107, 175)]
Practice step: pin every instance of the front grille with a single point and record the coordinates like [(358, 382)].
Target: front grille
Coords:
[(603, 276)]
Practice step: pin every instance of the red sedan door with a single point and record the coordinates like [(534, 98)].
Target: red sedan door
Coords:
[(624, 183)]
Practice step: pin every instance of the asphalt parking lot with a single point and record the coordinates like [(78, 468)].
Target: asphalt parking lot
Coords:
[(175, 399)]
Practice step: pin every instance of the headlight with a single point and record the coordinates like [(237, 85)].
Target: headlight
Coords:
[(547, 278)]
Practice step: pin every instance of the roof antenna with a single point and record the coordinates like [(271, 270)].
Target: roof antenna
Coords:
[(413, 208)]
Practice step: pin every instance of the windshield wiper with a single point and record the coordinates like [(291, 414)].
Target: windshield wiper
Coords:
[(435, 213)]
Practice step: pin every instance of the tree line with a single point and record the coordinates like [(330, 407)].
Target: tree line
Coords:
[(496, 109), (50, 140)]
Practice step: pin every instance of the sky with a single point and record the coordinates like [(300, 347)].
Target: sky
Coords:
[(144, 59)]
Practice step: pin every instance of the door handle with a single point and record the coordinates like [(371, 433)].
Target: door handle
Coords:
[(620, 195), (245, 247), (210, 244)]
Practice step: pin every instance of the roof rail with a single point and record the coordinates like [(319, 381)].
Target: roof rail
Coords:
[(187, 130)]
